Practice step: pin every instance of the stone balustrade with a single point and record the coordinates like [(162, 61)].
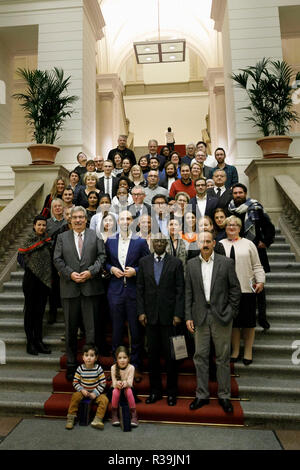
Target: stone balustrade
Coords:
[(14, 221), (289, 220)]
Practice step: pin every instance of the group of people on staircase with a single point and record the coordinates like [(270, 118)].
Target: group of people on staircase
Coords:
[(171, 244)]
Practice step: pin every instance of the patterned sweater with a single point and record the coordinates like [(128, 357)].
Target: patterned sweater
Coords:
[(93, 380)]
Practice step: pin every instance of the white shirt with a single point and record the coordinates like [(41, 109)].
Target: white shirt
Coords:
[(223, 189), (123, 249), (207, 269), (161, 256), (201, 203), (76, 237), (108, 185)]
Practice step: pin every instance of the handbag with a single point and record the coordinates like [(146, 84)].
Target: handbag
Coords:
[(178, 347)]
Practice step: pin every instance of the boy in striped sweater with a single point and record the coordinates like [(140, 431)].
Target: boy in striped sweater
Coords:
[(89, 382)]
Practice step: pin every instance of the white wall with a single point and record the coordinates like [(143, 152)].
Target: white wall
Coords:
[(150, 115)]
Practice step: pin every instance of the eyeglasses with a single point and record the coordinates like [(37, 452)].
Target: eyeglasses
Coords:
[(137, 194)]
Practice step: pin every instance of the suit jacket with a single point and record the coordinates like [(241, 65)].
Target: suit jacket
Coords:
[(146, 209), (101, 185), (66, 260), (222, 201), (138, 247), (160, 302), (211, 205), (225, 291)]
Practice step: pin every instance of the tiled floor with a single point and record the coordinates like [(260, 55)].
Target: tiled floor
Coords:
[(7, 424), (290, 440)]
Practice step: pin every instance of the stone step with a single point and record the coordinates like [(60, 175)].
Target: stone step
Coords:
[(279, 246), (282, 288), (16, 346), (281, 255), (279, 239), (22, 403), (269, 413), (283, 316), (290, 302), (24, 383), (277, 389), (272, 350), (279, 277), (17, 326), (268, 368), (288, 333), (17, 312), (13, 286), (11, 299), (17, 275), (285, 266)]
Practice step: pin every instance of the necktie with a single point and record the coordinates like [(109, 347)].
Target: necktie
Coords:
[(158, 259), (107, 186), (219, 192), (80, 243), (232, 253)]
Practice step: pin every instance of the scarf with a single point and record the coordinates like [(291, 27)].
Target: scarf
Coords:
[(37, 257), (248, 208)]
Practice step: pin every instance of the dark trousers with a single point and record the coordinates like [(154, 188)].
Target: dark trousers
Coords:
[(75, 309), (101, 322), (123, 308), (158, 342), (262, 304), (35, 293)]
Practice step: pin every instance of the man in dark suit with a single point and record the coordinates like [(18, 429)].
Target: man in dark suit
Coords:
[(201, 204), (108, 184), (153, 147), (160, 307), (223, 195), (138, 208), (78, 257), (212, 300), (123, 254)]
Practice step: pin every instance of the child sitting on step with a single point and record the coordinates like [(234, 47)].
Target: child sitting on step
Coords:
[(122, 375), (89, 382)]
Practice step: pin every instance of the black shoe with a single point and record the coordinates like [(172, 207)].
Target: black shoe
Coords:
[(31, 349), (234, 359), (226, 405), (198, 403), (153, 398), (263, 323), (247, 362), (172, 400), (42, 348)]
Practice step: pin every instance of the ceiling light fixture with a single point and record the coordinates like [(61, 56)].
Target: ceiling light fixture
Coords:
[(159, 51)]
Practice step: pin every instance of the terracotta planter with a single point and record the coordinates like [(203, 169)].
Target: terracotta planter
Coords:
[(43, 154), (275, 146)]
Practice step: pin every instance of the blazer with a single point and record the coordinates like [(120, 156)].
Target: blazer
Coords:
[(160, 302), (225, 291), (138, 247), (211, 205), (66, 260), (222, 201), (101, 185)]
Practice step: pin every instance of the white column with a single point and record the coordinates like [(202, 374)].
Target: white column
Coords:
[(217, 108), (111, 119)]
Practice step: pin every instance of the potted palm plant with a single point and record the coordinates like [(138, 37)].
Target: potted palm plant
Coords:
[(46, 106), (269, 88)]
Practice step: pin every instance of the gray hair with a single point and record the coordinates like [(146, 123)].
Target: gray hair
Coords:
[(78, 209), (153, 140), (54, 201)]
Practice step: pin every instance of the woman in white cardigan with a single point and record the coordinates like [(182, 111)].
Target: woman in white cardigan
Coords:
[(251, 275)]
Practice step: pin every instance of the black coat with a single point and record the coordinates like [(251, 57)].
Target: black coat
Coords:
[(222, 201), (160, 303)]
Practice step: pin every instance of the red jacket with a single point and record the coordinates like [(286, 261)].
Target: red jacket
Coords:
[(178, 186)]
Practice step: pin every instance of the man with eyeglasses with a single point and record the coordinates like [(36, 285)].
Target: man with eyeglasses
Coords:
[(138, 208), (201, 204), (99, 161), (79, 256), (153, 188)]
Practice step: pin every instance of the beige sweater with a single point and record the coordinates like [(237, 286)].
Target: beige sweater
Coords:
[(247, 263), (127, 375)]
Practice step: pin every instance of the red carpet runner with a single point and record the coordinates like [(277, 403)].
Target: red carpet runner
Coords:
[(57, 404)]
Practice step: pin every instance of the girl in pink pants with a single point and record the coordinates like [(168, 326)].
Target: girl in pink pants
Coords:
[(122, 375)]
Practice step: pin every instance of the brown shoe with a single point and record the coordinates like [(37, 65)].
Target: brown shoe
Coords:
[(134, 418), (97, 423), (138, 376), (70, 421)]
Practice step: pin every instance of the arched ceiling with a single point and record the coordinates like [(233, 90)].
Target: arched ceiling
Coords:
[(128, 21)]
